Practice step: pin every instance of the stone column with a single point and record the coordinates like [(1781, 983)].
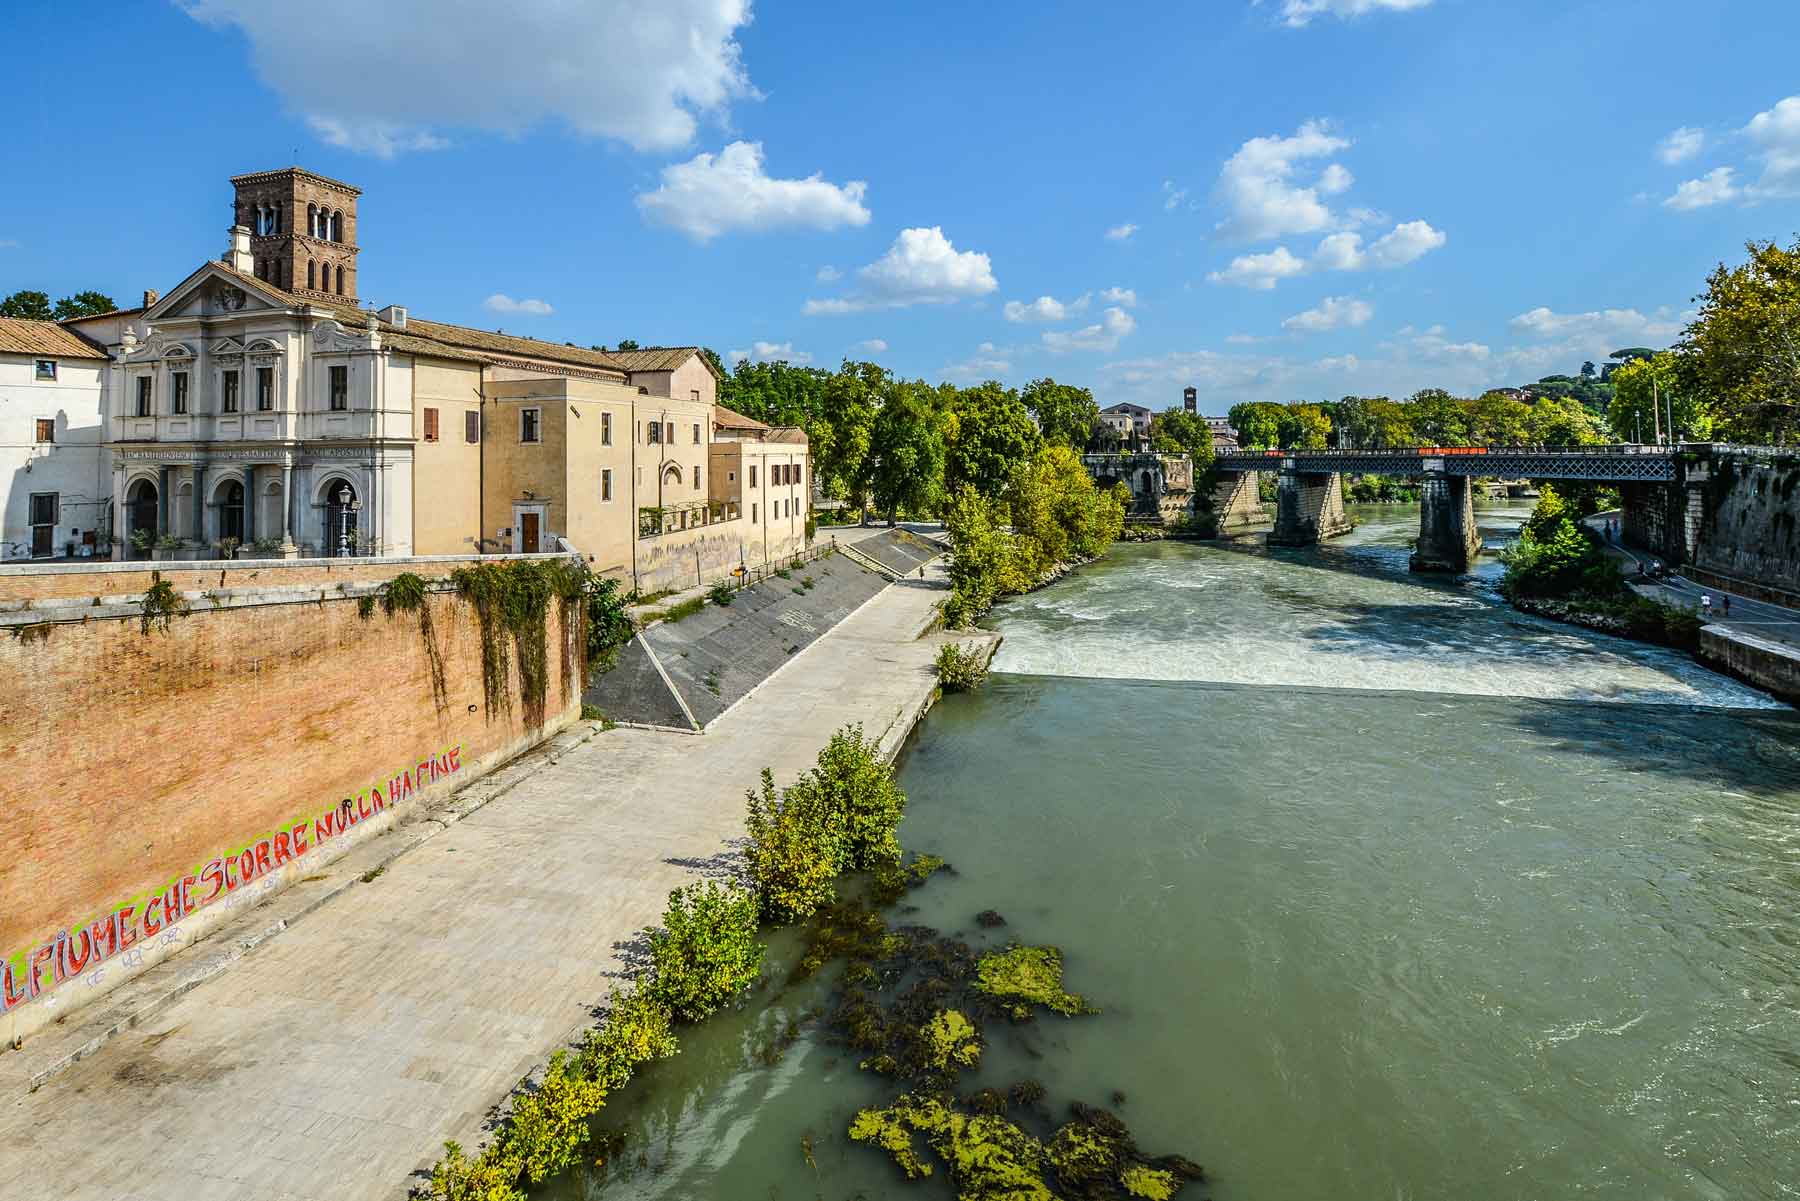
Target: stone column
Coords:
[(1237, 502), (1448, 537), (287, 504), (162, 501), (1309, 507), (249, 503), (200, 502)]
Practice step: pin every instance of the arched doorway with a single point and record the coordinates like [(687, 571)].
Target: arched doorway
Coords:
[(342, 508), (230, 497), (140, 515)]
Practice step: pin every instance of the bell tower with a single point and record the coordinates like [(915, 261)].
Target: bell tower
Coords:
[(302, 230)]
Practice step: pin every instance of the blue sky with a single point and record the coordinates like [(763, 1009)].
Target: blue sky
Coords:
[(1306, 198)]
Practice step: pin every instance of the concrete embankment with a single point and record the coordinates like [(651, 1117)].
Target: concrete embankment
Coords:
[(1773, 667), (401, 1012)]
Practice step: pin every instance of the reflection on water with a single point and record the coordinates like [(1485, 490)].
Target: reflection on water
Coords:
[(1377, 901)]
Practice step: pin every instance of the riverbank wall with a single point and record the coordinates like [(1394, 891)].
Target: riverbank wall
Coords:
[(164, 767), (1773, 667)]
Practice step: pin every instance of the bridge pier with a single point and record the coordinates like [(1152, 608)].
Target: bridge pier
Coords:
[(1237, 503), (1309, 507), (1448, 537)]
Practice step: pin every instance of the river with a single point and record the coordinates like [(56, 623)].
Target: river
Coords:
[(1387, 892)]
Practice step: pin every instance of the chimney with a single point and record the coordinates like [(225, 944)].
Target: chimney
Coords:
[(151, 296), (395, 316), (238, 257)]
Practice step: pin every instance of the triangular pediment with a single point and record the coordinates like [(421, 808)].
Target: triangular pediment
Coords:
[(215, 290)]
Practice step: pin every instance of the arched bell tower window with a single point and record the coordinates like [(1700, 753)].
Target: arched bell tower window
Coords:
[(337, 228), (340, 280), (311, 269), (312, 221)]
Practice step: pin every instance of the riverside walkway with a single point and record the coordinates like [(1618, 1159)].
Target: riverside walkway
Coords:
[(331, 1063)]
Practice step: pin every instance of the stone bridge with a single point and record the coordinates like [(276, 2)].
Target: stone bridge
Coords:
[(1655, 480)]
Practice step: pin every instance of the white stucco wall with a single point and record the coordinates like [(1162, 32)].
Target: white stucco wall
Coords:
[(73, 466)]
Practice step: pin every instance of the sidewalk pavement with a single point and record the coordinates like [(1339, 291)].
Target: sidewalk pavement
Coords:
[(1774, 622), (331, 1062)]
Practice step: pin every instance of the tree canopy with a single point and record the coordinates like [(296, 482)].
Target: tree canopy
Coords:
[(1065, 414), (1742, 351), (36, 306)]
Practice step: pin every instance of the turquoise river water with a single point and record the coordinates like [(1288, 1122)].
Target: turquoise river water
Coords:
[(1386, 891)]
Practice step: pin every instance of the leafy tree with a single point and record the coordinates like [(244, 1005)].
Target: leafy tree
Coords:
[(777, 393), (32, 306), (793, 852), (1065, 413), (1496, 419), (1304, 427), (1257, 424), (1563, 423), (1647, 391), (84, 304), (988, 431), (854, 782), (906, 449), (1438, 418), (1549, 512), (840, 431), (1743, 349), (1587, 370), (979, 555), (626, 344), (1177, 431)]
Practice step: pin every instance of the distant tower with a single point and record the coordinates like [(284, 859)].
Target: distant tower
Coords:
[(1190, 399), (302, 230)]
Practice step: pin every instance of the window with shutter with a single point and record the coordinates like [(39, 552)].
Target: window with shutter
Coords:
[(471, 426), (431, 425)]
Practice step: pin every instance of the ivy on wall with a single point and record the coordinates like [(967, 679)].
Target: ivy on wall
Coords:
[(512, 605)]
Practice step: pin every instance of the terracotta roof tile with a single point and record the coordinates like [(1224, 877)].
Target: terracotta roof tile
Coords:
[(47, 338), (730, 419), (660, 358)]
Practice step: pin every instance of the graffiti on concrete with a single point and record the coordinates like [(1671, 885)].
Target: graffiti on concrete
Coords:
[(152, 919)]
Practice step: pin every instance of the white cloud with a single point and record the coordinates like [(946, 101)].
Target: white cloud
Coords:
[(1258, 186), (921, 267), (1297, 14), (500, 302), (9, 244), (1172, 196), (1119, 233), (988, 362), (1614, 326), (1776, 134), (1715, 187), (1405, 243), (829, 274), (1681, 145), (1260, 271), (1242, 339), (873, 345), (1045, 308), (1334, 312), (1124, 297), (1113, 325), (772, 352), (1433, 346), (382, 78), (712, 194)]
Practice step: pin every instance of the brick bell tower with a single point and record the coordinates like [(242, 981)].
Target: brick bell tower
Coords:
[(302, 230)]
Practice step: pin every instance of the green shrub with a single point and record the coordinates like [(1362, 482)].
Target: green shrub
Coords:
[(705, 954), (794, 850), (720, 593), (856, 786), (960, 669), (549, 1125), (636, 1031), (491, 1176), (686, 608)]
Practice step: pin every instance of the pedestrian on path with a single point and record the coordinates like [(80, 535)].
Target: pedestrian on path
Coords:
[(1706, 605), (1726, 598)]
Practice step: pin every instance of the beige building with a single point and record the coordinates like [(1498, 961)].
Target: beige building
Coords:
[(257, 406)]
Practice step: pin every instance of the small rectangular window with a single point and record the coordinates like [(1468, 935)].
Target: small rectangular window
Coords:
[(178, 397), (753, 475), (655, 433), (696, 479), (145, 384), (696, 433), (606, 429), (471, 427), (753, 514), (528, 424), (46, 429), (44, 368), (431, 425), (228, 392), (265, 389), (606, 484), (694, 394), (340, 389)]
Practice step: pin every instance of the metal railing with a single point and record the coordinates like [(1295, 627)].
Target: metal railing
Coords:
[(654, 522)]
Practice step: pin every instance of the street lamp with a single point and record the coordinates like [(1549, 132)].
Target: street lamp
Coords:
[(343, 497)]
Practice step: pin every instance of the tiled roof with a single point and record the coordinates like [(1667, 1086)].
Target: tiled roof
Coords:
[(659, 358), (47, 338), (788, 433), (730, 419)]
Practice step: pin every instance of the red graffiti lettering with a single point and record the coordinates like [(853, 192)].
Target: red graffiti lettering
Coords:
[(325, 826), (262, 856), (10, 992), (70, 964), (362, 806), (246, 864), (214, 874), (456, 758), (279, 848), (298, 833), (152, 919), (376, 804), (128, 927), (38, 959), (104, 937)]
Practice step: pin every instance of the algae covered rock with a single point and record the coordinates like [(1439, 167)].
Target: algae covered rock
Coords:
[(952, 1038), (1020, 977)]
